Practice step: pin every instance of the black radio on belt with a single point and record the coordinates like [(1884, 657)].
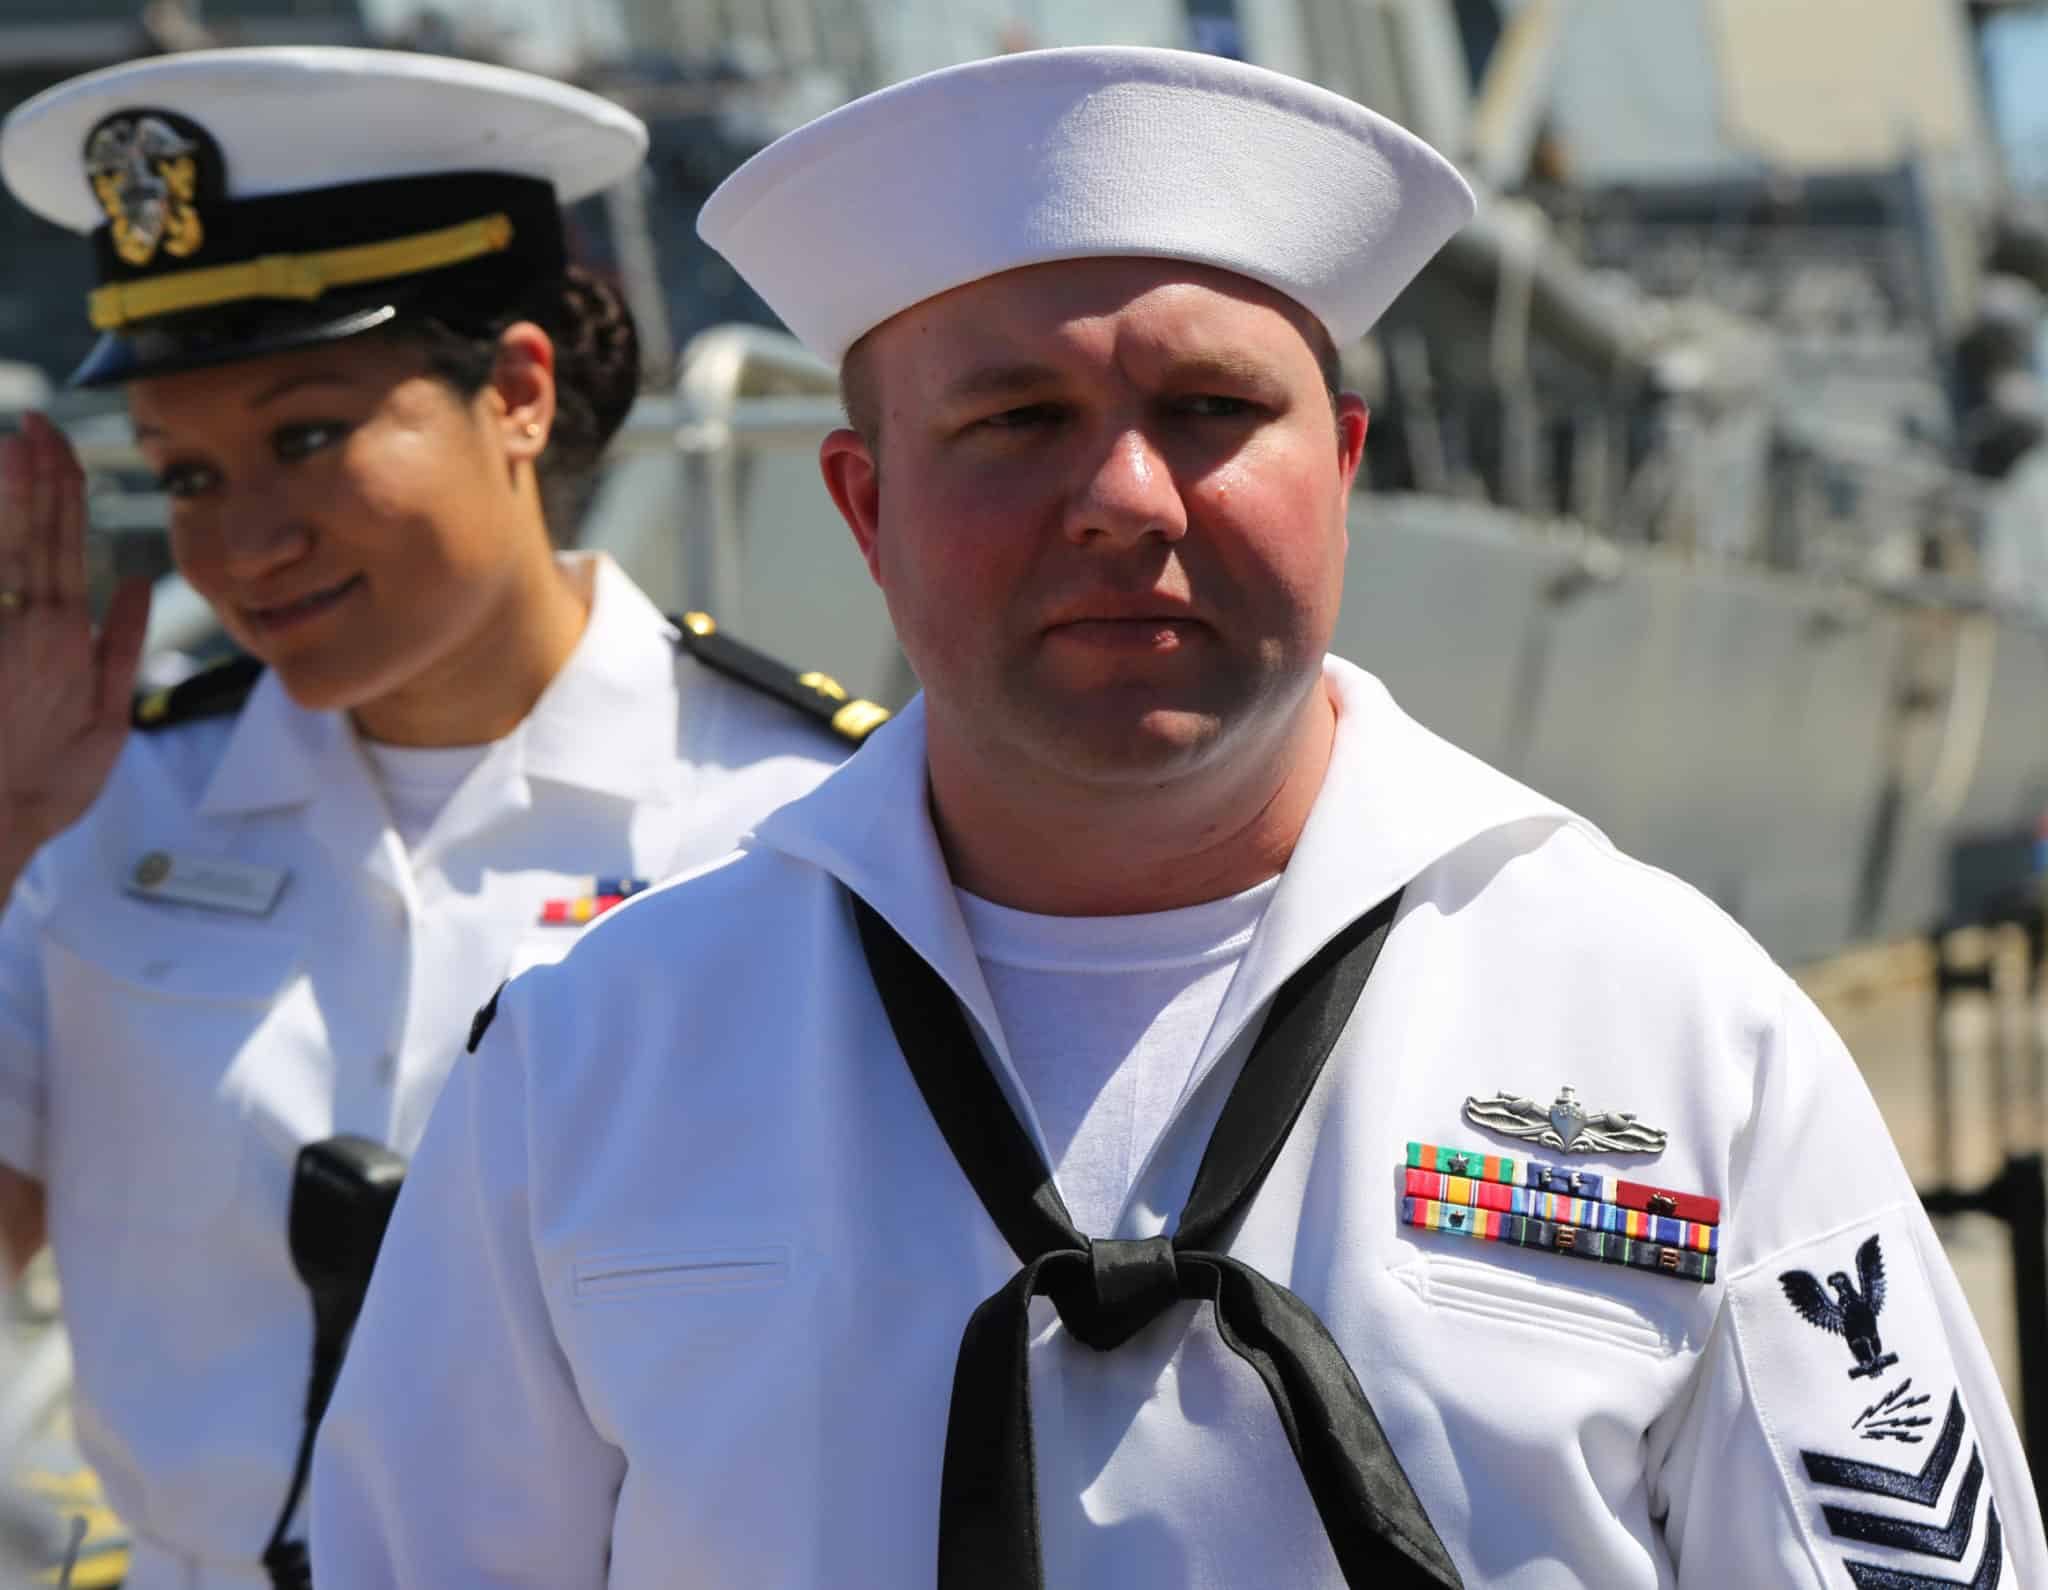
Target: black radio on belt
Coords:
[(343, 1191)]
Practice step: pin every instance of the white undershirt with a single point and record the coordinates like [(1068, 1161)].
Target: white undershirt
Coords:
[(418, 781), (1105, 1017)]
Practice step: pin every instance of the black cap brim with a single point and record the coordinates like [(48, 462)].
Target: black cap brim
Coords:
[(193, 342)]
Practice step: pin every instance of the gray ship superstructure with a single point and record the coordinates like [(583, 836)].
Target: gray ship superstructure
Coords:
[(1692, 481)]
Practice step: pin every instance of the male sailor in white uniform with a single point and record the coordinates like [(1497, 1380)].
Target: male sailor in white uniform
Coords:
[(1159, 1117)]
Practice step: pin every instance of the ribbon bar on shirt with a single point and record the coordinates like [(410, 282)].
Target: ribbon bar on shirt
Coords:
[(1501, 1169), (1462, 1220), (1560, 1209)]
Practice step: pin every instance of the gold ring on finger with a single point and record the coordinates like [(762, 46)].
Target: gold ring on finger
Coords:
[(12, 601)]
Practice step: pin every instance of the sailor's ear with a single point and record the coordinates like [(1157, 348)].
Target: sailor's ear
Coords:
[(854, 479), (521, 391), (1354, 419)]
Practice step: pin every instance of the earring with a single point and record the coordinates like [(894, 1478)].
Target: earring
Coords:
[(533, 427)]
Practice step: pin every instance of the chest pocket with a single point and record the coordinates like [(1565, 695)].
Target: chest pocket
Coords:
[(714, 1321), (1520, 1304), (159, 1031)]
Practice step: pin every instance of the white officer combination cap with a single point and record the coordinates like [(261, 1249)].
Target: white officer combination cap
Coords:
[(1081, 153), (244, 200)]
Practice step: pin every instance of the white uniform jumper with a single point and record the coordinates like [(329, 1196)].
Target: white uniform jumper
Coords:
[(161, 1063), (675, 1296)]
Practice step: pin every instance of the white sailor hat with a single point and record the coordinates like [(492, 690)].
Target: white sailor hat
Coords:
[(245, 201), (1077, 153)]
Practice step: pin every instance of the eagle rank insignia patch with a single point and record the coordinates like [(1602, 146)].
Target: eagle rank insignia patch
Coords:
[(1852, 1380), (1852, 1312)]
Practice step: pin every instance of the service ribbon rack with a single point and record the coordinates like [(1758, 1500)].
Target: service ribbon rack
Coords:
[(1536, 1205), (599, 896)]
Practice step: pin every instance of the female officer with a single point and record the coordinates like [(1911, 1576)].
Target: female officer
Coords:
[(333, 285)]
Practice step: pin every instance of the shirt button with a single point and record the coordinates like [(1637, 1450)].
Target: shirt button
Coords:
[(387, 1069)]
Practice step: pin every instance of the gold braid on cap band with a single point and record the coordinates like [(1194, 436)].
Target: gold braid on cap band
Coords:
[(300, 276)]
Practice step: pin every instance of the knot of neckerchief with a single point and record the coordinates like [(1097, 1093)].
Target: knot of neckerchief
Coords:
[(1108, 1290)]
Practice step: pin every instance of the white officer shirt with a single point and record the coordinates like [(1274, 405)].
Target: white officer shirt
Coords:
[(676, 1292), (162, 1063)]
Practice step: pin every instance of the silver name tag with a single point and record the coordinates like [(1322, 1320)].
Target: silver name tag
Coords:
[(213, 883)]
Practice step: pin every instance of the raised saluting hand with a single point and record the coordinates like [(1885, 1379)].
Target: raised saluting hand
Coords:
[(64, 688)]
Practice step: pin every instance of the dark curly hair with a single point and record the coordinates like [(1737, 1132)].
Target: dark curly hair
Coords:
[(597, 369)]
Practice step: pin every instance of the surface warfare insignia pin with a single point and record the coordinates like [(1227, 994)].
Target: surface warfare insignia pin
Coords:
[(1565, 1125), (1852, 1312), (151, 171)]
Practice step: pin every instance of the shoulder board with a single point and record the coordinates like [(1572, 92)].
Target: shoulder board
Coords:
[(816, 695), (216, 692)]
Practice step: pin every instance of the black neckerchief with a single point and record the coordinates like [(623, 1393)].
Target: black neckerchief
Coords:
[(1107, 1290)]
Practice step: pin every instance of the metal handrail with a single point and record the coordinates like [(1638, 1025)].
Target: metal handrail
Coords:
[(721, 370)]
